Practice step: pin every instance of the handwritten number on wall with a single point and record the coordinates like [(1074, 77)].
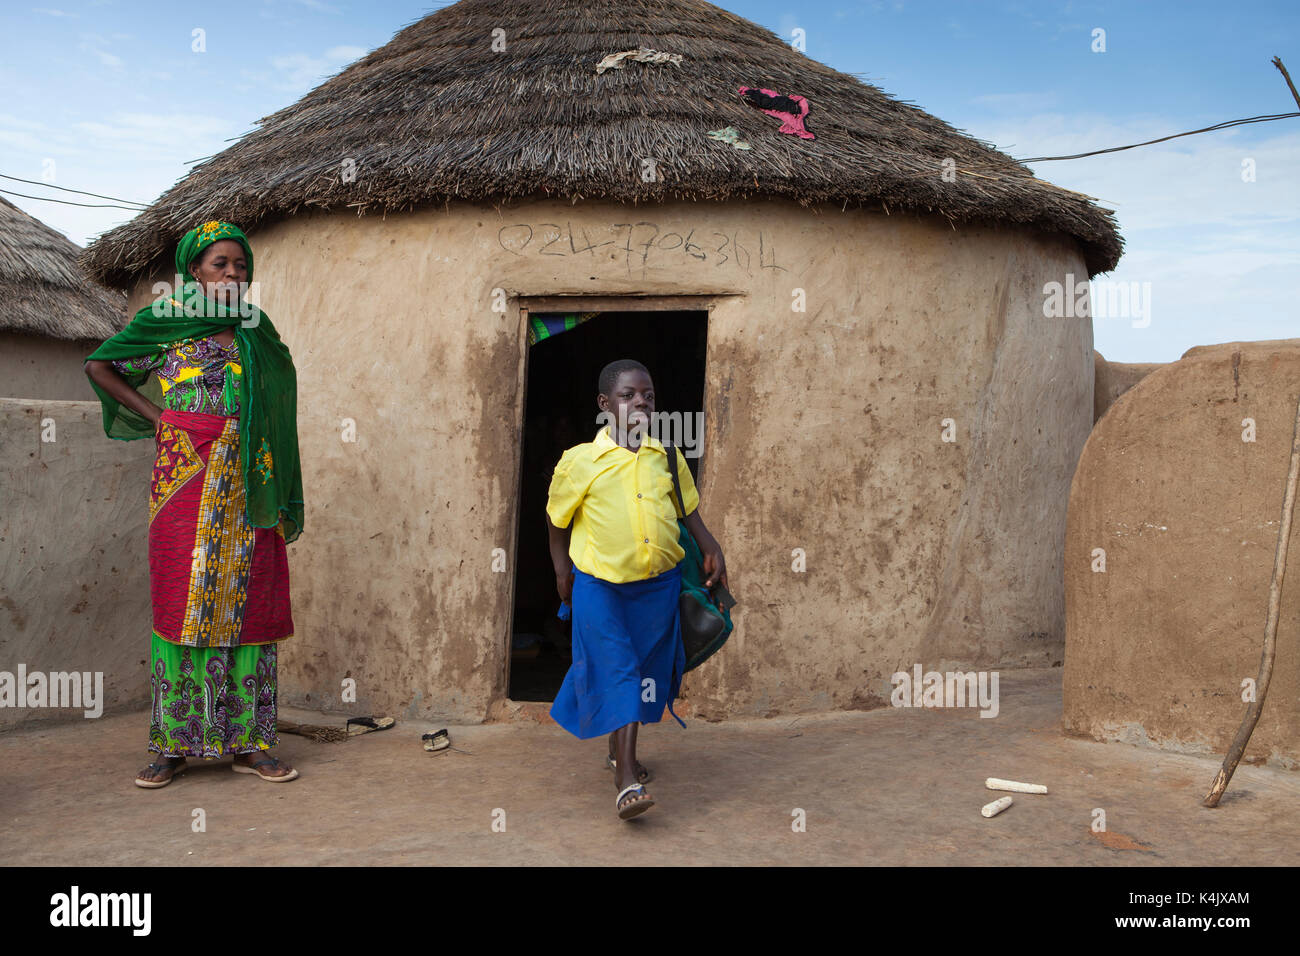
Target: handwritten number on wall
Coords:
[(639, 243)]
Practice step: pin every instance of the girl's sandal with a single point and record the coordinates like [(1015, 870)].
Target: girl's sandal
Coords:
[(265, 762), (176, 768), (629, 805), (645, 776)]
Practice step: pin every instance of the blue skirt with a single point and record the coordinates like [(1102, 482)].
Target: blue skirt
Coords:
[(628, 657)]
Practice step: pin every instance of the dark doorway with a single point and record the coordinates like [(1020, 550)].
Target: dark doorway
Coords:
[(560, 412)]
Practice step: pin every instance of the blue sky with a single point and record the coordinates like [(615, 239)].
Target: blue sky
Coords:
[(108, 96)]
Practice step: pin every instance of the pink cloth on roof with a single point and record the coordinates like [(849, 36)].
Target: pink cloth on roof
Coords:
[(790, 109)]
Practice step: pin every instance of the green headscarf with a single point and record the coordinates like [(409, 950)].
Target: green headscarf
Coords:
[(196, 240), (268, 390)]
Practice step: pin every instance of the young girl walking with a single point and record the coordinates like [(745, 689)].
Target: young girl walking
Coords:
[(613, 530)]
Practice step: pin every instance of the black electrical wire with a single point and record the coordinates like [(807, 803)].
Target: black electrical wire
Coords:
[(65, 189)]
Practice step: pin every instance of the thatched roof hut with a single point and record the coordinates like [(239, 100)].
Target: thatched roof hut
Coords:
[(890, 422), (52, 310), (45, 291), (438, 115)]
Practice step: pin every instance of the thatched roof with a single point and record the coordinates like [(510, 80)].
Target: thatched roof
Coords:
[(44, 289), (438, 115)]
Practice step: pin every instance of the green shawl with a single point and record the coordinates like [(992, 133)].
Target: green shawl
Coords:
[(268, 391)]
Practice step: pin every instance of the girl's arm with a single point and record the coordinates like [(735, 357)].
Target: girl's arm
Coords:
[(106, 377), (715, 566), (559, 541)]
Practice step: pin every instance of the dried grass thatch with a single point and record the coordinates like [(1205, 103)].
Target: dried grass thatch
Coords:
[(437, 115), (44, 289)]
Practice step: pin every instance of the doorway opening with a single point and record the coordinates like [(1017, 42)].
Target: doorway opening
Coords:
[(563, 363)]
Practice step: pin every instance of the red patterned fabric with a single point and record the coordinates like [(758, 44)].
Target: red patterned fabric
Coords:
[(216, 581), (791, 110)]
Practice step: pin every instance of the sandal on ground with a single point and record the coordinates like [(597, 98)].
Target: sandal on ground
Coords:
[(176, 768), (628, 806), (645, 776), (363, 725), (436, 741), (266, 762)]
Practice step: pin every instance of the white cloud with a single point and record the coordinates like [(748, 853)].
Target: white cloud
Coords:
[(23, 134), (9, 119), (1195, 179), (21, 140), (149, 131), (301, 72), (1220, 254), (95, 45)]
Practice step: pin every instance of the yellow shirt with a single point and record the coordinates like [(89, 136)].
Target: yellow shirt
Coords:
[(622, 507)]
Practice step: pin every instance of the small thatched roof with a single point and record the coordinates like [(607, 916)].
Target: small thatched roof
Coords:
[(438, 115), (43, 287)]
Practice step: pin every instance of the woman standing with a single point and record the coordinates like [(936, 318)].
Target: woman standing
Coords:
[(226, 496)]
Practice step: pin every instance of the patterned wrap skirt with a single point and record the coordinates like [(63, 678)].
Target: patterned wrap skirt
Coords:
[(628, 657), (220, 591), (210, 701)]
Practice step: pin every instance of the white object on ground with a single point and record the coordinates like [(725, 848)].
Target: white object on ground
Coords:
[(993, 783), (996, 807)]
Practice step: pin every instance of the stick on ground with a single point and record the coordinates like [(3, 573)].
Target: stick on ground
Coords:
[(1270, 629)]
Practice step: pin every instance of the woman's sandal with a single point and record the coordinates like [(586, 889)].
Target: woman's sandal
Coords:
[(436, 741), (176, 768), (628, 806), (645, 776), (264, 762), (364, 725)]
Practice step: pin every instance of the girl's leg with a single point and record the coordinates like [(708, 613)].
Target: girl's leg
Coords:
[(625, 774), (641, 771)]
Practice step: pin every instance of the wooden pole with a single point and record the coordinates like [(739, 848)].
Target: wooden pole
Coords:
[(1256, 705), (1270, 628), (1277, 62)]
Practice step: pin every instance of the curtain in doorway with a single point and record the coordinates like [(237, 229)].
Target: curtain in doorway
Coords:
[(545, 325)]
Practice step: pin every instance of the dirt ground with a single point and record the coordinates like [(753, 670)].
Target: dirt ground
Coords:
[(892, 787)]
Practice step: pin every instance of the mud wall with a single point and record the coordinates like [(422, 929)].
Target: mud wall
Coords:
[(74, 579), (1113, 379), (34, 366), (1173, 528)]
